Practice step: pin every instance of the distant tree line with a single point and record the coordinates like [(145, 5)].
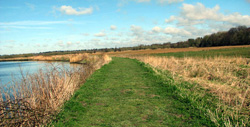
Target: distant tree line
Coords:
[(235, 36)]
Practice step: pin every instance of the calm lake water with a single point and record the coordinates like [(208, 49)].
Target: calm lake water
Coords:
[(8, 70)]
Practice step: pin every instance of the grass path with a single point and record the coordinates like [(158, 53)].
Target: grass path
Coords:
[(125, 93)]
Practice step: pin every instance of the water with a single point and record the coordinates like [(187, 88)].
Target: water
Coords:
[(10, 70)]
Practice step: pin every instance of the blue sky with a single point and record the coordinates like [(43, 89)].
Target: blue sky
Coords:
[(32, 26)]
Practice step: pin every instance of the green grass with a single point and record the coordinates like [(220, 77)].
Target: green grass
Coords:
[(128, 93), (230, 52)]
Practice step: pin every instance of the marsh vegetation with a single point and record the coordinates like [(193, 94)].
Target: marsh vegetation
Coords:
[(37, 97), (223, 73)]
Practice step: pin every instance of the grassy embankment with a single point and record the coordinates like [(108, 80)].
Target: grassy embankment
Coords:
[(129, 93), (34, 99), (224, 73)]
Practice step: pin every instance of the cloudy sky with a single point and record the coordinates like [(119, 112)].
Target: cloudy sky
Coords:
[(32, 26)]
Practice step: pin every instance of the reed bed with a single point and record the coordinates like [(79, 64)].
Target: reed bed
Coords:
[(79, 58), (228, 78), (36, 98)]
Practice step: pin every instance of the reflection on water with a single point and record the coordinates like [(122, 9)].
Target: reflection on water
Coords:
[(10, 70)]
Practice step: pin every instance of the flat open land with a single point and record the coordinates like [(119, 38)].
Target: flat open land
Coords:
[(170, 50)]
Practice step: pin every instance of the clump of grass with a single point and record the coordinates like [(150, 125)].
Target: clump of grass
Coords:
[(35, 99), (224, 77), (88, 59), (77, 58)]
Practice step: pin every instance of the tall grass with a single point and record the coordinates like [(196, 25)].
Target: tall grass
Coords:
[(227, 78), (35, 99)]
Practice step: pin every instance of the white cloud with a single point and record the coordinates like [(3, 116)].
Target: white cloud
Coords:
[(69, 43), (183, 21), (137, 30), (220, 26), (200, 12), (141, 36), (100, 34), (176, 31), (171, 19), (197, 32), (113, 27), (68, 10), (156, 29), (237, 18), (169, 1)]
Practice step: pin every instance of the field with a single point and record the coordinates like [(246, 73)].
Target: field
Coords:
[(228, 52), (175, 50), (162, 87), (224, 73)]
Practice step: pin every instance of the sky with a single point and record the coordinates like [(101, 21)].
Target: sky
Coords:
[(33, 26)]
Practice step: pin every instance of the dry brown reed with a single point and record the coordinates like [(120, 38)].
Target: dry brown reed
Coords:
[(35, 99), (79, 57), (51, 58), (227, 78)]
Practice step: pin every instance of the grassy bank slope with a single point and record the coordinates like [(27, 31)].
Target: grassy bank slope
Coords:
[(126, 93)]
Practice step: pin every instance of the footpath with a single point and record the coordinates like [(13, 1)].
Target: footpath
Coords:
[(125, 93)]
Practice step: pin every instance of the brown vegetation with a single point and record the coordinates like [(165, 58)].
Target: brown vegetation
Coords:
[(79, 58), (227, 71), (227, 78), (36, 98)]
